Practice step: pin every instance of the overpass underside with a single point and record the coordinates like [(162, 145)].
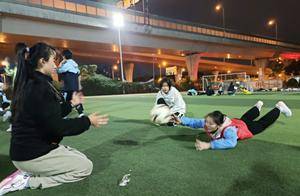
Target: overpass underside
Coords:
[(93, 39)]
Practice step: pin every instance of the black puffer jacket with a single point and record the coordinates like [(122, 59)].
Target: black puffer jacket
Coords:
[(39, 126)]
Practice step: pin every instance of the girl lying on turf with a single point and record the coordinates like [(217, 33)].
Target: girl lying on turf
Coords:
[(225, 132)]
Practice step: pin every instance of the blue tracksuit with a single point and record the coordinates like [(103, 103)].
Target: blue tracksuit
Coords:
[(70, 73)]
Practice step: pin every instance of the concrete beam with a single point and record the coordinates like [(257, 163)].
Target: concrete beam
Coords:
[(98, 29)]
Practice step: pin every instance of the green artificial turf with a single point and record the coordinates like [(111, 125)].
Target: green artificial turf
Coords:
[(163, 159)]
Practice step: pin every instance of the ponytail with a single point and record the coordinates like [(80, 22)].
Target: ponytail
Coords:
[(22, 71), (20, 81), (25, 70)]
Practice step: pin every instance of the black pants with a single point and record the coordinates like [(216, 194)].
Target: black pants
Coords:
[(161, 101), (258, 126), (231, 92), (210, 92), (79, 107)]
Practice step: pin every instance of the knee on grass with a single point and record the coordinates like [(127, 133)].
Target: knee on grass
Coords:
[(84, 168)]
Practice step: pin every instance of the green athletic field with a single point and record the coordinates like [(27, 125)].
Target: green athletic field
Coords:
[(163, 159)]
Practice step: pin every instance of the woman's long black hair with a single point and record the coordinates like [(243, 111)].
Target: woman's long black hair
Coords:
[(25, 70)]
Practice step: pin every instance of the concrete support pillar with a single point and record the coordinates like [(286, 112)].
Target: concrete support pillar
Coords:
[(192, 64), (261, 64), (178, 75), (216, 74), (128, 70)]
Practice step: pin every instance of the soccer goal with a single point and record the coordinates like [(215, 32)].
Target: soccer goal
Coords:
[(224, 80)]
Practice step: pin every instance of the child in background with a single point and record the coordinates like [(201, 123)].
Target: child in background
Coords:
[(69, 71), (4, 105)]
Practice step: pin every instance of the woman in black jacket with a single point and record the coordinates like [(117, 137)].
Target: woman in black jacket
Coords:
[(39, 125)]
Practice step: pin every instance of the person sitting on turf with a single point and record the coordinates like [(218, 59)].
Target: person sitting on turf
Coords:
[(220, 90), (38, 127), (209, 91), (225, 132), (4, 104), (231, 89), (171, 97), (19, 47), (192, 92)]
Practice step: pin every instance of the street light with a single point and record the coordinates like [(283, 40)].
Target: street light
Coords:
[(118, 21), (115, 68), (271, 23), (114, 48), (218, 8), (164, 64), (159, 51)]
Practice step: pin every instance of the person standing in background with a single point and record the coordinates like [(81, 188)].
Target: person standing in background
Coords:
[(70, 75)]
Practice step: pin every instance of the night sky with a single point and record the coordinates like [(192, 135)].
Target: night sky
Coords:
[(245, 16)]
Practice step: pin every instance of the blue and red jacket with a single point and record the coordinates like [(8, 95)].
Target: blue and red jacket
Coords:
[(227, 138)]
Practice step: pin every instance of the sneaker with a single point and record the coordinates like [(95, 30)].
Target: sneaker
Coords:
[(9, 129), (79, 109), (259, 105), (6, 116), (81, 115), (284, 109), (15, 182)]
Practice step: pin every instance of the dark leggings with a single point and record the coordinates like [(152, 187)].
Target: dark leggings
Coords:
[(79, 107), (161, 101), (264, 122)]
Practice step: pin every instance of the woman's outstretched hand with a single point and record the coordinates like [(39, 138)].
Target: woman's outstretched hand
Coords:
[(98, 120)]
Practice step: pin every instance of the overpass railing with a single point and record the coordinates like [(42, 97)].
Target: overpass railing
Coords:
[(96, 9)]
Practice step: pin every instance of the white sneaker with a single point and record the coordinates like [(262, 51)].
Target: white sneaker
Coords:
[(284, 109), (9, 129), (15, 182), (6, 116), (81, 115), (259, 105)]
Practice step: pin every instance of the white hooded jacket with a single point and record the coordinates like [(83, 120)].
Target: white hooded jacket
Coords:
[(173, 99)]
